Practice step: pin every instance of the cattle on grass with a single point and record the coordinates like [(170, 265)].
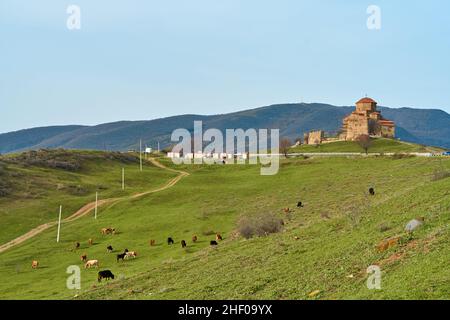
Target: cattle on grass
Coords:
[(170, 241), (83, 257), (194, 239), (121, 256), (213, 243), (218, 237), (91, 263), (34, 264), (109, 249), (183, 244), (130, 254), (105, 274)]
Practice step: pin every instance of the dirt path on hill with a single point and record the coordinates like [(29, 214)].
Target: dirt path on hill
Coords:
[(91, 206)]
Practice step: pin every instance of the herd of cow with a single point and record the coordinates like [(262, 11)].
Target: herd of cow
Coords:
[(126, 254)]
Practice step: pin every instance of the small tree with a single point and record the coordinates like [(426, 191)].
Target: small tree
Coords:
[(285, 145), (364, 142)]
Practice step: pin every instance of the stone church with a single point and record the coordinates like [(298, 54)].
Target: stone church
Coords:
[(366, 120)]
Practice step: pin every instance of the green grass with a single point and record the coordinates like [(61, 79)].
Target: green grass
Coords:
[(379, 145), (36, 192), (213, 198)]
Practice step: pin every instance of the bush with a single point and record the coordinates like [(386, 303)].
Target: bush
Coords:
[(440, 174), (260, 225), (398, 156)]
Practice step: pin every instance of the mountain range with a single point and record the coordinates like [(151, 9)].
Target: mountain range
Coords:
[(423, 126)]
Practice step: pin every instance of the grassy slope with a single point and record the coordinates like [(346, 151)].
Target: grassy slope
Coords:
[(37, 192), (379, 145), (274, 267)]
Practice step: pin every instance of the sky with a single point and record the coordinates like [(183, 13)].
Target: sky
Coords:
[(138, 60)]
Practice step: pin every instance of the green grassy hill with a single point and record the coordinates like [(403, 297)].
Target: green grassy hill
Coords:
[(379, 145), (34, 184), (326, 246)]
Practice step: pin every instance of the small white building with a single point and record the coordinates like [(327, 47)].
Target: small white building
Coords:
[(173, 155)]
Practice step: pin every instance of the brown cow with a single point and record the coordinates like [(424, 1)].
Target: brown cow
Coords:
[(108, 230), (90, 241), (388, 243), (152, 243), (84, 257), (194, 239), (218, 237), (34, 264), (286, 210)]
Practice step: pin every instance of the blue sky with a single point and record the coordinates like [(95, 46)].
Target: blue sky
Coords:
[(148, 59)]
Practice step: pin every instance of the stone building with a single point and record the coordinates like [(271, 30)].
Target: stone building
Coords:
[(366, 120), (313, 137)]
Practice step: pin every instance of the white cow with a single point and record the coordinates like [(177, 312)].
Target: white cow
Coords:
[(91, 263)]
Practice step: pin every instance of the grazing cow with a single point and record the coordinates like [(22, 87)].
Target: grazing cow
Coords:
[(131, 254), (105, 274), (388, 243), (218, 237), (286, 210), (34, 264), (77, 245), (109, 248), (108, 231), (372, 191), (91, 263), (84, 257), (414, 224), (194, 239), (170, 241), (152, 243), (121, 256), (90, 242), (183, 244), (299, 204), (213, 243)]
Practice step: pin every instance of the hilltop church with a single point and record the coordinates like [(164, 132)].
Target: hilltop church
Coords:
[(366, 120)]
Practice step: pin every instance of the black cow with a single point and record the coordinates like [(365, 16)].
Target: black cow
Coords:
[(170, 241), (121, 256), (183, 244), (213, 243), (105, 274), (109, 248), (299, 204), (372, 191)]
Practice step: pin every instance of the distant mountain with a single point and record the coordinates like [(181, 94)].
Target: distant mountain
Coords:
[(423, 126)]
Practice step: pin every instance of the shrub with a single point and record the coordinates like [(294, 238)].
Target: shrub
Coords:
[(208, 232), (260, 225), (397, 156), (440, 174)]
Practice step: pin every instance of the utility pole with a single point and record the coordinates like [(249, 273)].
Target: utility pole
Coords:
[(158, 146), (140, 154), (123, 178), (59, 223)]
